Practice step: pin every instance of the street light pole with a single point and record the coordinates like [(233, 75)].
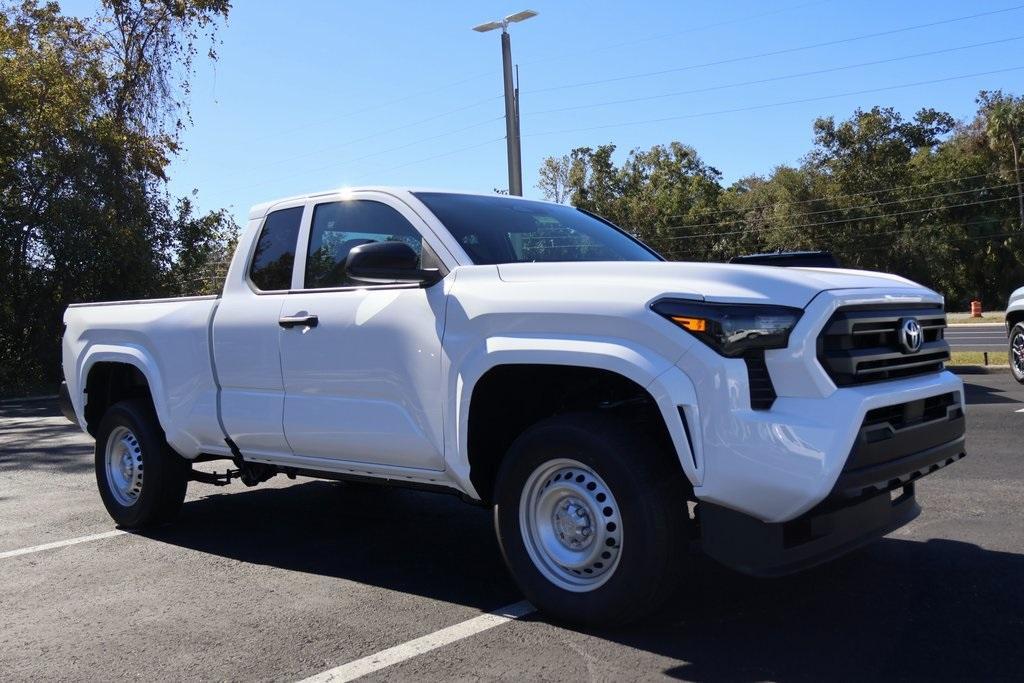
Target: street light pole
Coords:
[(515, 163)]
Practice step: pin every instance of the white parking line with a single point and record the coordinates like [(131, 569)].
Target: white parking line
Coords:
[(60, 544), (414, 648)]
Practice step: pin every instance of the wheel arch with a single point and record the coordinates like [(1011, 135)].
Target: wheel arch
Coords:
[(1013, 317), (113, 374), (511, 372)]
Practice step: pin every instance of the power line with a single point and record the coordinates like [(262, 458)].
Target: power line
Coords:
[(874, 234), (468, 79), (478, 76), (772, 104), (977, 237), (774, 205), (773, 79), (662, 36), (853, 208), (907, 229), (790, 50), (844, 220), (490, 99)]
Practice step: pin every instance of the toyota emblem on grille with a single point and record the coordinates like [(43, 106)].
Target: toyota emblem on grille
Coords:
[(910, 335)]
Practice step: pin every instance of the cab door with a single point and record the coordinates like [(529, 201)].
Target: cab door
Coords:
[(246, 336), (362, 365)]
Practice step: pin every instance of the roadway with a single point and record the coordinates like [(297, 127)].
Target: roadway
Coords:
[(292, 579), (983, 337)]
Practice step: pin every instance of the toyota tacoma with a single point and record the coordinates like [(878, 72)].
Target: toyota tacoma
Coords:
[(614, 409)]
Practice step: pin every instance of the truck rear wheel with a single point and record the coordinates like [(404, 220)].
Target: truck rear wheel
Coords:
[(142, 481), (591, 518)]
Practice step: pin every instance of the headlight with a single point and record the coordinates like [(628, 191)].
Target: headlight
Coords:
[(732, 329)]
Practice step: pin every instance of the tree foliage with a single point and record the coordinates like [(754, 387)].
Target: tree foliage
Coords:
[(90, 115), (930, 198)]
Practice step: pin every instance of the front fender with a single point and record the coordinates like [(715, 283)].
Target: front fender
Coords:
[(669, 387)]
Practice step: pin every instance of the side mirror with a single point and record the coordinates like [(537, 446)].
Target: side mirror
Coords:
[(387, 262)]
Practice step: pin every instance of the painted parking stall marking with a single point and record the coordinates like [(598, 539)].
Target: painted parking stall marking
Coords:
[(432, 641), (61, 544)]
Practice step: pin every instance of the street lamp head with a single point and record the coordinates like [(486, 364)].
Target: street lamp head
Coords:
[(489, 26), (521, 16), (503, 23)]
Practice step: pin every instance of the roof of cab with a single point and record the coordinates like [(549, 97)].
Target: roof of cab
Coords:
[(261, 210)]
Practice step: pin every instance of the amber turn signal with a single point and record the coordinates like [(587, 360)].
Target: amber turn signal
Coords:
[(691, 324)]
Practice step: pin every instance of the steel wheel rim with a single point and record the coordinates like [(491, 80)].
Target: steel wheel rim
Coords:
[(571, 525), (124, 466), (1017, 354)]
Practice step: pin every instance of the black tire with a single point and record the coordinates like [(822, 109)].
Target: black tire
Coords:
[(1017, 365), (650, 490), (165, 473)]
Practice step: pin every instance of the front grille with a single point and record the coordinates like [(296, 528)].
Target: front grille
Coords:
[(861, 344), (906, 438), (912, 413)]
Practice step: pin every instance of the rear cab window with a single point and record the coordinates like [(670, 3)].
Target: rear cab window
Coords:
[(274, 256)]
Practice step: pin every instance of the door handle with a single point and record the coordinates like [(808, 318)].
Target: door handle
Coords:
[(290, 321)]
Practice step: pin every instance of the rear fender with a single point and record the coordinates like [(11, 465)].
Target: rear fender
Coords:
[(129, 355)]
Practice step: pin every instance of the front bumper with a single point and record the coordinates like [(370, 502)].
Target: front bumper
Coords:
[(873, 495), (760, 549)]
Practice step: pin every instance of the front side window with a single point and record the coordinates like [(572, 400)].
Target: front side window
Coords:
[(339, 227), (272, 262), (494, 229)]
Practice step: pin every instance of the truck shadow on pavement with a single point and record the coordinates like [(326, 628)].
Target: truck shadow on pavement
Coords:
[(420, 543), (896, 609), (902, 609), (976, 393)]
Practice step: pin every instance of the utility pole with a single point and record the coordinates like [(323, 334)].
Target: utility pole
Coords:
[(515, 162)]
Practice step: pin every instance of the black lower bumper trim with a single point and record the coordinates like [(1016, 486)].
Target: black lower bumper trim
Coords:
[(758, 548), (895, 473)]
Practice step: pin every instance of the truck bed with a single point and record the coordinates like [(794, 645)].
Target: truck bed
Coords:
[(168, 340)]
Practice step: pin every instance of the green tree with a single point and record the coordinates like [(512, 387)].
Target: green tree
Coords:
[(653, 193), (1004, 118), (554, 178), (90, 114), (925, 197)]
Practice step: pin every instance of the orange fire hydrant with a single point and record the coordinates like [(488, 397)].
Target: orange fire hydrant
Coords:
[(975, 309)]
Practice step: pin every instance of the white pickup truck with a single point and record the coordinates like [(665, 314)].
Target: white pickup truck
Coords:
[(612, 407)]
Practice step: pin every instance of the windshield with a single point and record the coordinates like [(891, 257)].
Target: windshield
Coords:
[(498, 229)]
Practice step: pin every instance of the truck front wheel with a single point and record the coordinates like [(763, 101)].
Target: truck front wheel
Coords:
[(591, 518), (141, 480)]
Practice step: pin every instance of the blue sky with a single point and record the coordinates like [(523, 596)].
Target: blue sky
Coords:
[(313, 95)]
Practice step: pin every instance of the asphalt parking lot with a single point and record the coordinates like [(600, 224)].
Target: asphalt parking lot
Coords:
[(291, 579)]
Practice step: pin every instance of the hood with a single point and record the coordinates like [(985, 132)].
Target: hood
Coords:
[(722, 282)]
